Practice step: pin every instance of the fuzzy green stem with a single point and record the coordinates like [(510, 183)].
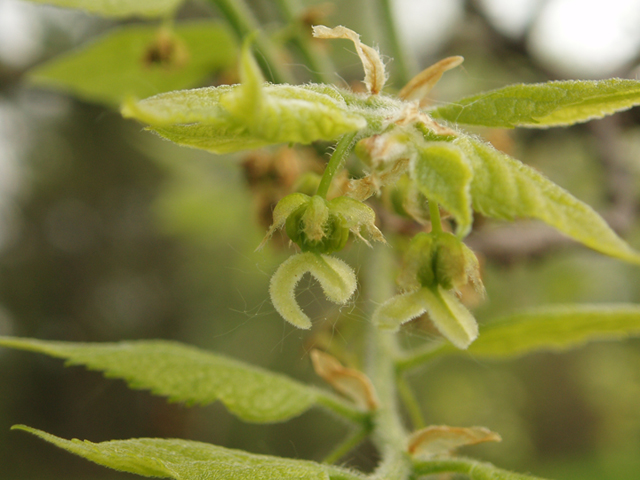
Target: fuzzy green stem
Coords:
[(342, 151), (319, 64), (347, 445), (436, 221), (402, 72), (389, 434), (242, 21), (410, 402)]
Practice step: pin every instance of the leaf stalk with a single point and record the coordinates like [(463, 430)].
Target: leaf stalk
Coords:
[(343, 150)]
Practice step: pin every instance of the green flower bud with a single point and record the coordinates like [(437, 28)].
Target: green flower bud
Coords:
[(439, 259), (320, 226), (315, 229), (435, 263)]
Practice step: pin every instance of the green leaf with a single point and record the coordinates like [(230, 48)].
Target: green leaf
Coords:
[(217, 139), (443, 175), (188, 460), (140, 61), (556, 328), (253, 114), (472, 468), (544, 104), (503, 187), (120, 8), (185, 374), (197, 118)]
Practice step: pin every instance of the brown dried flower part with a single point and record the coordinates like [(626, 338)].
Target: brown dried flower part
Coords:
[(370, 185), (349, 382), (374, 71), (419, 86), (411, 114), (314, 14), (167, 51), (443, 440)]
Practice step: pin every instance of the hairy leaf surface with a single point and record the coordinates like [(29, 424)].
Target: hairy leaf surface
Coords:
[(544, 104), (185, 374), (443, 175), (129, 62), (556, 328), (472, 468), (503, 187), (188, 460), (199, 119), (213, 138), (120, 8)]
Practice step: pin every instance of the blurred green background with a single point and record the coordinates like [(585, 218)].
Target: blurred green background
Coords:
[(108, 233)]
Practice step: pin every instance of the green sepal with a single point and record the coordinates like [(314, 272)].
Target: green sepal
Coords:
[(185, 374), (120, 8), (505, 188), (314, 228), (443, 175), (337, 279), (543, 105), (320, 226), (139, 61), (189, 460), (449, 316)]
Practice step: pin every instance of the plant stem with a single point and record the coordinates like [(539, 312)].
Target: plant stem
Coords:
[(347, 445), (422, 356), (401, 69), (243, 23), (341, 407), (342, 151), (436, 221), (319, 64), (410, 402), (389, 434)]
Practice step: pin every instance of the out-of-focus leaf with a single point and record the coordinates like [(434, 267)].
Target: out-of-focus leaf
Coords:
[(120, 8), (185, 374), (544, 104), (140, 61), (188, 460), (443, 175), (556, 328), (503, 187)]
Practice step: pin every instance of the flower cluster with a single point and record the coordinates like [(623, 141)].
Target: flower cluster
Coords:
[(319, 227)]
